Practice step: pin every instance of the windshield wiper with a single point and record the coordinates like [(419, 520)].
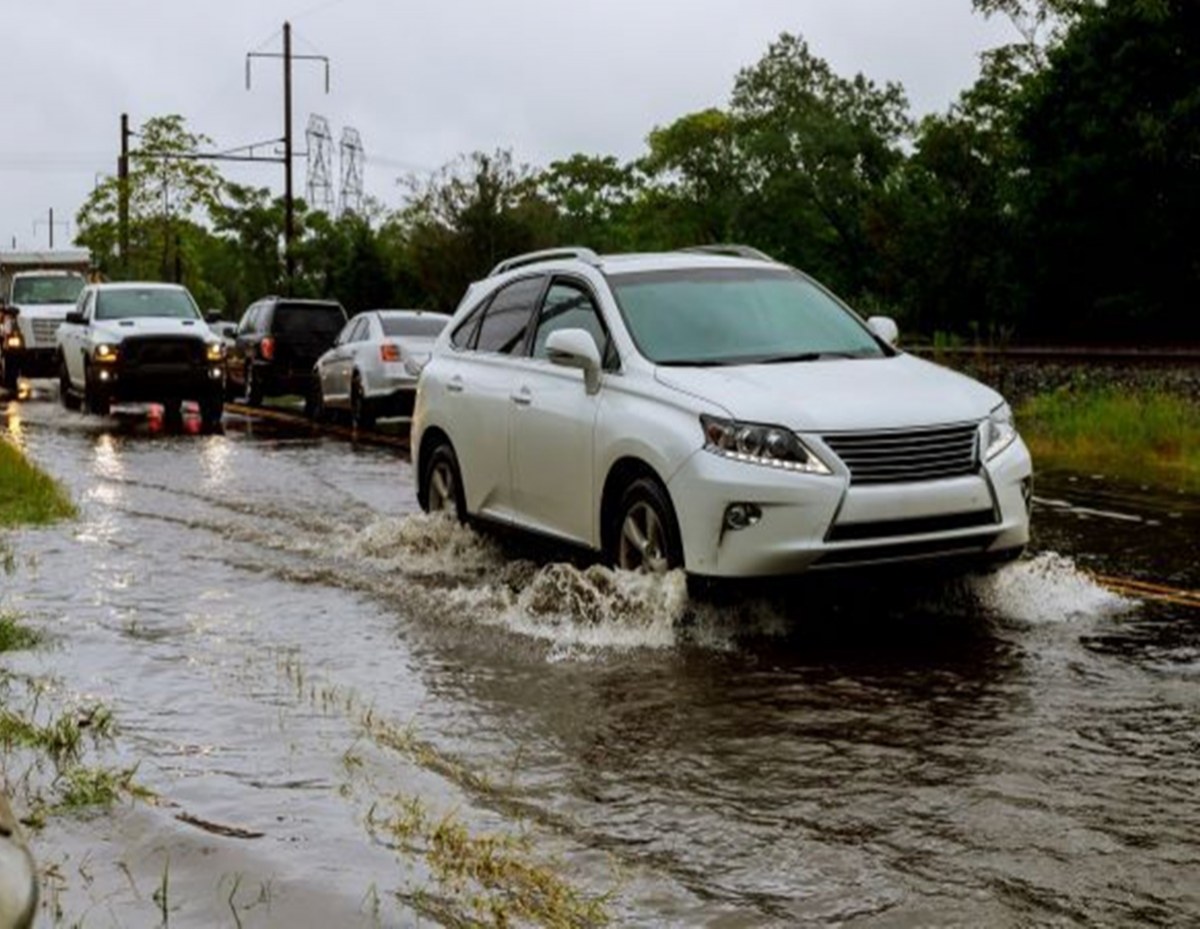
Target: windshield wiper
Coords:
[(695, 363), (805, 356)]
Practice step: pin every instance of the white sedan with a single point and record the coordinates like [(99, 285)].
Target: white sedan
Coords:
[(722, 414), (373, 367)]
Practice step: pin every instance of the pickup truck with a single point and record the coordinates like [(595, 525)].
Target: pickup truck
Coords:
[(37, 290), (140, 343)]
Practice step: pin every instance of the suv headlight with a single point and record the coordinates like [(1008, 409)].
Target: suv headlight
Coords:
[(773, 446), (998, 431), (216, 351), (105, 352)]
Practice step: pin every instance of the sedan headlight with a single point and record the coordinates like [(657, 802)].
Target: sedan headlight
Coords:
[(773, 446), (216, 351), (105, 352), (998, 431)]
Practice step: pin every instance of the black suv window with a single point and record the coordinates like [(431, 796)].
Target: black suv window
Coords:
[(506, 320), (325, 319), (570, 306)]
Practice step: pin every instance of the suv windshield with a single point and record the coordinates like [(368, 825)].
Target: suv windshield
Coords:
[(145, 302), (57, 288), (730, 316), (417, 326)]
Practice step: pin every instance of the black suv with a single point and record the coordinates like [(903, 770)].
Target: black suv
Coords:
[(278, 342)]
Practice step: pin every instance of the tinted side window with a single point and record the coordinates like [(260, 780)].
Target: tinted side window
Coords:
[(507, 318), (570, 306), (464, 335)]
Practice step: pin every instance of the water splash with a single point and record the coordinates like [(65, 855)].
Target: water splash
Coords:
[(1048, 588)]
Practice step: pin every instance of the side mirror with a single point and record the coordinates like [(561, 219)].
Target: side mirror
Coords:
[(76, 319), (575, 348), (885, 327)]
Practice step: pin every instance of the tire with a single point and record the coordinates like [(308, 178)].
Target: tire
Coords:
[(644, 534), (254, 387), (9, 375), (66, 395), (441, 487), (211, 411), (314, 403), (93, 401), (362, 414)]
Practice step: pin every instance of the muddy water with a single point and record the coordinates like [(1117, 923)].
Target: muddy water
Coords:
[(291, 651)]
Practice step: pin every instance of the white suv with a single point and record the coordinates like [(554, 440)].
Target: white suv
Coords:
[(712, 410)]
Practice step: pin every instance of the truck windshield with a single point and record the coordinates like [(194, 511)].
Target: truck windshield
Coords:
[(736, 316), (143, 302), (52, 288)]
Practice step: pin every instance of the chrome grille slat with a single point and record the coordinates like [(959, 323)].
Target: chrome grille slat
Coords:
[(909, 455), (44, 331)]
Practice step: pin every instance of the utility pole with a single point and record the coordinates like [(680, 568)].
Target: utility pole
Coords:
[(289, 206), (123, 195), (51, 223)]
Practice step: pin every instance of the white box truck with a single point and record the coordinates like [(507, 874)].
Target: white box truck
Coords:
[(37, 290)]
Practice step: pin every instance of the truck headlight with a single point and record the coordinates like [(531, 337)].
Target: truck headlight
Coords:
[(754, 443), (105, 352), (999, 432), (13, 340), (216, 351)]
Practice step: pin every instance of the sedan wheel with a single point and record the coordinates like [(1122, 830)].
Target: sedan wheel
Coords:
[(646, 537), (361, 413)]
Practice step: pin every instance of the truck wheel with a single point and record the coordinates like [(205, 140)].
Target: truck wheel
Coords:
[(94, 402), (8, 375), (211, 411), (65, 395)]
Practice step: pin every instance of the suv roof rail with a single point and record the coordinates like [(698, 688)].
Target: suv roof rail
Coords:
[(549, 254), (731, 249)]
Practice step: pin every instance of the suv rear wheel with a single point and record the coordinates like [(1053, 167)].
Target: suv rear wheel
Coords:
[(441, 488), (254, 387), (644, 535)]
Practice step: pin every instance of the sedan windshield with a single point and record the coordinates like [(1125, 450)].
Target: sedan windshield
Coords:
[(146, 302), (731, 316)]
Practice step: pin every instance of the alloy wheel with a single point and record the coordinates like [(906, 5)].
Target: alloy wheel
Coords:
[(442, 492), (643, 544)]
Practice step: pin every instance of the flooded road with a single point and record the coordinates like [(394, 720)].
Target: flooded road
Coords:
[(363, 698)]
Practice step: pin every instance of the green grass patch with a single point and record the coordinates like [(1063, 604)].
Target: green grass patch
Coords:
[(14, 636), (29, 496), (1142, 436)]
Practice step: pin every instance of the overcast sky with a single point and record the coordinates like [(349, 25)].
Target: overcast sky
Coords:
[(422, 80)]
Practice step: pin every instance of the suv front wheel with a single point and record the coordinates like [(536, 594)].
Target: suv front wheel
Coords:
[(645, 535)]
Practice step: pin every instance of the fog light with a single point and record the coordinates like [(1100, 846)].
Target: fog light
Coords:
[(741, 516), (104, 375), (214, 373), (13, 341)]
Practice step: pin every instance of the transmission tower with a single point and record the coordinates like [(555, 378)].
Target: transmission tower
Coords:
[(320, 164), (352, 159)]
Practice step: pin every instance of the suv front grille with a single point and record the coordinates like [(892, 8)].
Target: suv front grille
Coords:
[(162, 350), (908, 455)]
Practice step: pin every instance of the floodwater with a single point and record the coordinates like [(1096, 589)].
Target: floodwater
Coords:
[(291, 652)]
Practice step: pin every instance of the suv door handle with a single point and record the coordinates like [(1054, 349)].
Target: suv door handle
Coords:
[(523, 397), (455, 384)]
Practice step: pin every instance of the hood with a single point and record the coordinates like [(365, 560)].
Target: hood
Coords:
[(117, 329), (44, 310), (839, 394)]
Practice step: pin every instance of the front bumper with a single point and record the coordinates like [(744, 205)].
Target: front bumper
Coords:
[(33, 362), (122, 383), (810, 522)]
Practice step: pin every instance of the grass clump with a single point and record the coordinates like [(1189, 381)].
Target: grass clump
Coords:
[(1144, 436), (16, 637), (29, 496)]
